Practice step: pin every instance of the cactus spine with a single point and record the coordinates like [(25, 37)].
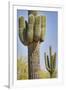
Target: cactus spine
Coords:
[(30, 34), (50, 62)]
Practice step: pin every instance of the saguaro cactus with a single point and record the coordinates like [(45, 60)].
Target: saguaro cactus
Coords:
[(31, 33), (50, 62)]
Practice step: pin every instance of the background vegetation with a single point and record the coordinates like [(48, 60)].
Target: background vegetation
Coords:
[(22, 70)]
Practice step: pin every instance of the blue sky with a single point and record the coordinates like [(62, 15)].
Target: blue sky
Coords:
[(51, 38)]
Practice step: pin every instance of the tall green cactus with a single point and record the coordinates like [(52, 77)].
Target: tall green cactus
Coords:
[(31, 33), (50, 62)]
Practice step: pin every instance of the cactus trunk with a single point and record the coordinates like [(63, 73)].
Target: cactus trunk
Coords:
[(51, 75), (33, 60)]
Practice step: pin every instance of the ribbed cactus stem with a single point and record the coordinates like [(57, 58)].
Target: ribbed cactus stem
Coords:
[(31, 19), (54, 62), (30, 33), (30, 30), (43, 21), (37, 31), (50, 62), (43, 28), (38, 20), (21, 22)]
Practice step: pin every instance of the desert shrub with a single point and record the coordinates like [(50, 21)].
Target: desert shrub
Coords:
[(22, 69), (43, 74)]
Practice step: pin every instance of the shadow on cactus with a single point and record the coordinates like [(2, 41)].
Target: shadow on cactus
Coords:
[(50, 62)]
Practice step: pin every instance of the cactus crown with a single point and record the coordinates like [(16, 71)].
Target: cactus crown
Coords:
[(34, 30)]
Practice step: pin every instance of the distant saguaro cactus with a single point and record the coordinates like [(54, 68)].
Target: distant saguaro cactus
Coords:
[(50, 62), (31, 33)]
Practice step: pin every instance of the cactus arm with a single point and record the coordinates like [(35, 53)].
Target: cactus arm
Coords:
[(22, 30), (30, 30), (47, 62), (21, 22), (21, 35), (30, 33), (43, 28), (51, 58), (48, 67), (26, 24), (52, 65), (37, 31), (54, 61), (50, 52), (31, 19)]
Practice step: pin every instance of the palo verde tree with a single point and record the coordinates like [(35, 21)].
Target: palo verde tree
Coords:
[(32, 33), (50, 62)]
